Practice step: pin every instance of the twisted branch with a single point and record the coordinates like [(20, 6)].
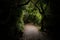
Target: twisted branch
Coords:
[(23, 4), (37, 6)]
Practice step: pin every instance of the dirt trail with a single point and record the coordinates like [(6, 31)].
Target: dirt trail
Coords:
[(31, 32)]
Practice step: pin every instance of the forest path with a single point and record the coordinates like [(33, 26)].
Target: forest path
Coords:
[(31, 32)]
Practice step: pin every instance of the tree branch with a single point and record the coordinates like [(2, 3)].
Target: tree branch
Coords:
[(47, 5), (41, 5), (38, 9), (23, 4), (37, 6), (37, 2)]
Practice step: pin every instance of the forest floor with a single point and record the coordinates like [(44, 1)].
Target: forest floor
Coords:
[(31, 32)]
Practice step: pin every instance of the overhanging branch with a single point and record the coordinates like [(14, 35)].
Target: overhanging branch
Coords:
[(23, 4), (37, 7)]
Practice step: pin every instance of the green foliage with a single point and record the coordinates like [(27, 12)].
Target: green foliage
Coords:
[(29, 7), (31, 13)]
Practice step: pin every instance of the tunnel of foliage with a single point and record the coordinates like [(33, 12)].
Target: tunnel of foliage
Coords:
[(33, 11), (15, 13), (29, 14)]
